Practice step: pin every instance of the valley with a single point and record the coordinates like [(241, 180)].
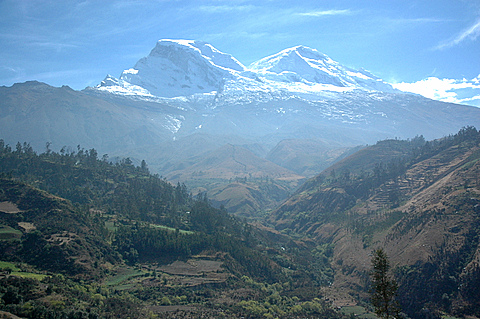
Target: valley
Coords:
[(125, 243), (139, 241)]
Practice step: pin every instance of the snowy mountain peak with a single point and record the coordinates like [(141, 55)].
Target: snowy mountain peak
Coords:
[(177, 68), (206, 50), (291, 59), (311, 67)]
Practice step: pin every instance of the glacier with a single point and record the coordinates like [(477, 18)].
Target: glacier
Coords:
[(185, 68)]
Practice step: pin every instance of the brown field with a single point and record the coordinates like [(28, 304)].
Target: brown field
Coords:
[(193, 272), (9, 208)]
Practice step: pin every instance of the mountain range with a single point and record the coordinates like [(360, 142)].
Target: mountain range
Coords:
[(327, 163), (186, 100), (180, 68)]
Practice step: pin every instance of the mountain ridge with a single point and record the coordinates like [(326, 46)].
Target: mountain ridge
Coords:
[(177, 68)]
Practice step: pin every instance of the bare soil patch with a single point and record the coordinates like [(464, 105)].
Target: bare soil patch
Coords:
[(9, 208), (192, 267), (27, 226), (194, 272), (63, 238)]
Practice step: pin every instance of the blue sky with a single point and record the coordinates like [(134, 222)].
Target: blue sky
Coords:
[(429, 47)]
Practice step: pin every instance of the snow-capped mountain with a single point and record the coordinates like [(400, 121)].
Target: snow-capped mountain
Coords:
[(296, 93), (186, 100), (182, 68), (316, 70), (178, 107), (176, 68)]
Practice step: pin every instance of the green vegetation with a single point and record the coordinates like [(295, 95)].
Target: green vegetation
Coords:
[(122, 275), (97, 239), (358, 312), (181, 231), (384, 288), (5, 265), (28, 275), (104, 239), (8, 233)]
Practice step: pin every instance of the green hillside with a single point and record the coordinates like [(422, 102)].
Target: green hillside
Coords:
[(82, 237)]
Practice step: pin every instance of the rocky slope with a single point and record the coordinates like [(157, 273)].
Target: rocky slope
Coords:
[(418, 201)]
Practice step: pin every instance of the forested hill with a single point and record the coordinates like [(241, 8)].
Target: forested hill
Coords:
[(82, 178), (87, 238), (48, 232), (131, 198), (419, 200)]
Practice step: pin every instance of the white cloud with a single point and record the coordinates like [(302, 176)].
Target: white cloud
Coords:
[(471, 32), (326, 13), (225, 8), (447, 90)]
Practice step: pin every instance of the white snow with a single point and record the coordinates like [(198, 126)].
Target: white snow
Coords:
[(130, 71), (183, 69), (358, 75), (173, 123)]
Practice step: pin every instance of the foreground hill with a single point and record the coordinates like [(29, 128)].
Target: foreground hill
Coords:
[(49, 233), (113, 241), (418, 200)]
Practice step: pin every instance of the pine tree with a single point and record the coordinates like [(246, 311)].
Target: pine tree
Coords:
[(384, 288)]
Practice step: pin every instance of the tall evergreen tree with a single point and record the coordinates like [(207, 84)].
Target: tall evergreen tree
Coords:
[(383, 288)]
